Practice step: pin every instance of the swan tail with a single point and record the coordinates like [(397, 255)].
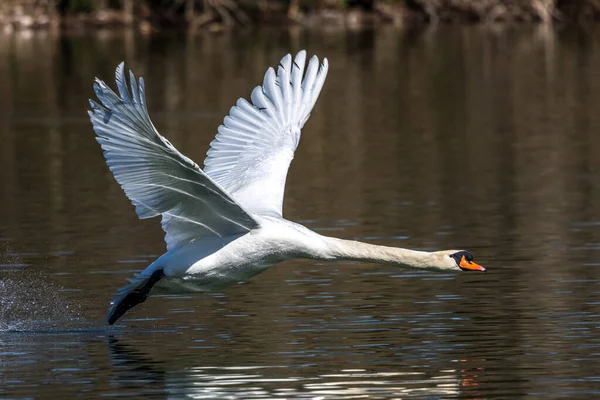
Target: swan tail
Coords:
[(133, 294)]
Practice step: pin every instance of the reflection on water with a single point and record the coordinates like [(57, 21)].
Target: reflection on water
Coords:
[(456, 137), (250, 382)]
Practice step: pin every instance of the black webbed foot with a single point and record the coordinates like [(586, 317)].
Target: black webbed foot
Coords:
[(133, 298)]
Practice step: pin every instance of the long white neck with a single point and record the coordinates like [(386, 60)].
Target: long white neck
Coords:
[(340, 249)]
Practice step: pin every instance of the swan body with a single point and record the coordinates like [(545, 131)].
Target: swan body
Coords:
[(224, 223)]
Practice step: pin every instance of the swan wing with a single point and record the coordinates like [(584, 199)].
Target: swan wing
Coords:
[(254, 146), (156, 177)]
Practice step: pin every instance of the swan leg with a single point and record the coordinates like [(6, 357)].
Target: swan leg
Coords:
[(132, 296)]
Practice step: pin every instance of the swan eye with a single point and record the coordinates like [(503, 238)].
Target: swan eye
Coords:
[(458, 257), (464, 260)]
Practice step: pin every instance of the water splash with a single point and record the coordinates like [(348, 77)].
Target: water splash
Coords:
[(28, 300)]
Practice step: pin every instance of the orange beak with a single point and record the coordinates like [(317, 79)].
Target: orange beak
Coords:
[(470, 266)]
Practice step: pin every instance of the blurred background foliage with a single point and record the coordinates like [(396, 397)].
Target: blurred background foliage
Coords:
[(228, 13)]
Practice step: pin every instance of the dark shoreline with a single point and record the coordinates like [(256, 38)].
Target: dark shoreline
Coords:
[(365, 14)]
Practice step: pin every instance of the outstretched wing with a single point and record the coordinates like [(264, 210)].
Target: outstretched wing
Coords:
[(251, 154), (157, 178)]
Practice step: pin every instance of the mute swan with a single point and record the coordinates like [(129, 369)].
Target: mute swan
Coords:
[(224, 224)]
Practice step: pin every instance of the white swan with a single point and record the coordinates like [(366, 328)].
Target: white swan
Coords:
[(224, 224)]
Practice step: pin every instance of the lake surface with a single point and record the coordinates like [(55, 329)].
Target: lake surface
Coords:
[(486, 139)]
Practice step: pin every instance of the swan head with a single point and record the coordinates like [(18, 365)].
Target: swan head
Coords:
[(459, 259)]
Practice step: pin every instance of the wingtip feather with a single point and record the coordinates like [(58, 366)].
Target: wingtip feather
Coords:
[(286, 62), (300, 59)]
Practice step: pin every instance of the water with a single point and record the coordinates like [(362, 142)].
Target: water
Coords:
[(485, 139)]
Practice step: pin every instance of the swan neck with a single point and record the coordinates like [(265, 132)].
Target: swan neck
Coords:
[(340, 249)]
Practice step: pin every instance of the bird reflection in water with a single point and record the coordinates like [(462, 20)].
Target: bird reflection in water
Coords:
[(136, 371), (133, 370)]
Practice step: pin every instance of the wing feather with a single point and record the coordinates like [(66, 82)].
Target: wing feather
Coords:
[(156, 177), (252, 151)]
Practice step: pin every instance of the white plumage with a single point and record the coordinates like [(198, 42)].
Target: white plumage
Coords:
[(224, 224), (157, 178), (252, 151)]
